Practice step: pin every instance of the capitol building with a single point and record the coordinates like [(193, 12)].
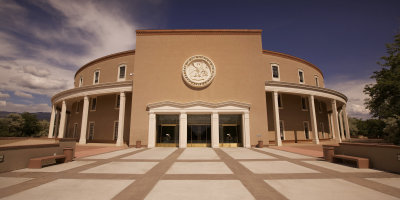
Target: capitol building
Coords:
[(199, 88)]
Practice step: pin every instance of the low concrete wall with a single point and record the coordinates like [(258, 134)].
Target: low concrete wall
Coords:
[(17, 157), (382, 157)]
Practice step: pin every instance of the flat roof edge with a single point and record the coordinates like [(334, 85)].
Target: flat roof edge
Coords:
[(199, 32)]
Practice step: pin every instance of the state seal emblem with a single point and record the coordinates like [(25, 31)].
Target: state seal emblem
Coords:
[(198, 71)]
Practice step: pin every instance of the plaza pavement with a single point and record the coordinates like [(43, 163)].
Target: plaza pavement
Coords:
[(199, 173)]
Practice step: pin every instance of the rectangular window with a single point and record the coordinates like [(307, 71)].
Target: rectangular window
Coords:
[(80, 81), (122, 72), (115, 130), (306, 130), (316, 81), (77, 107), (322, 129), (280, 105), (275, 72), (320, 106), (93, 104), (281, 125), (117, 101), (301, 76), (304, 103), (75, 130), (96, 77), (91, 131)]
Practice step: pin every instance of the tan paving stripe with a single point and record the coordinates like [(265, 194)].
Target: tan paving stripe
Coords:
[(199, 177), (354, 177), (142, 186), (254, 183)]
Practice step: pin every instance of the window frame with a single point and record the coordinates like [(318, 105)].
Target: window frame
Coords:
[(115, 136), (320, 107), (117, 101), (305, 103), (308, 129), (91, 104), (316, 78), (77, 107), (282, 129), (94, 77), (280, 101), (75, 130), (119, 72), (80, 84), (94, 126), (322, 128), (298, 73), (272, 72)]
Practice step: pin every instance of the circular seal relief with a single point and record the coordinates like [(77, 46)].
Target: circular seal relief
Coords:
[(198, 71)]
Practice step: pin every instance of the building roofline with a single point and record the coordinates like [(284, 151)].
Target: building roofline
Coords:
[(122, 53), (200, 32), (268, 52)]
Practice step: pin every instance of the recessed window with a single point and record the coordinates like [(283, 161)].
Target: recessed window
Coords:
[(80, 81), (117, 100), (280, 104), (301, 76), (93, 104), (282, 132), (115, 130), (320, 106), (77, 107), (321, 127), (96, 79), (306, 130), (304, 103), (75, 130), (91, 131), (275, 72), (316, 81), (121, 72)]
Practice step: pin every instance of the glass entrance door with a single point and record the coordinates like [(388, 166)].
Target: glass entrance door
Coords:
[(230, 130), (199, 131), (167, 131)]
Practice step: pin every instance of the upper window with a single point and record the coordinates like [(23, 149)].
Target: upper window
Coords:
[(304, 103), (316, 81), (80, 81), (121, 72), (301, 76), (77, 107), (275, 72), (93, 104), (96, 77)]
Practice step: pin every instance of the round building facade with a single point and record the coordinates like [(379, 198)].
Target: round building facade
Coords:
[(199, 88)]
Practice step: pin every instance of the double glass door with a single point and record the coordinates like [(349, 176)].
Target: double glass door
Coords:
[(199, 131), (230, 130), (167, 131)]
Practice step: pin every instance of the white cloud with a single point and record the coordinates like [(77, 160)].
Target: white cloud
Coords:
[(36, 71), (3, 103), (23, 94), (353, 89), (11, 107), (4, 95)]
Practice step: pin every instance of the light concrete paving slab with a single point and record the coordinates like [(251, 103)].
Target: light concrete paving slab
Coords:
[(394, 182), (338, 167), (284, 153), (198, 154), (9, 181), (157, 153), (243, 153), (199, 189), (58, 167), (122, 168), (76, 189), (326, 189), (112, 154), (199, 168), (275, 167)]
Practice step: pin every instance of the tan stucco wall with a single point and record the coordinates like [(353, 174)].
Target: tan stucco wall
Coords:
[(108, 70), (158, 66), (288, 70), (104, 118), (293, 117)]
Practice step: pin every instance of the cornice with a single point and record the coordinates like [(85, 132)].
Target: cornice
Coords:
[(198, 103), (114, 55), (200, 32), (267, 52)]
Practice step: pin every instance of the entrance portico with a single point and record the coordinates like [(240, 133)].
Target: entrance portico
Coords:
[(202, 119)]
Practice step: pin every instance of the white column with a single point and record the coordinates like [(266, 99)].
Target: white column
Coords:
[(215, 130), (246, 130), (183, 130), (62, 120), (278, 140), (52, 120), (152, 130), (335, 121), (121, 120), (341, 124), (346, 122), (313, 119), (85, 111)]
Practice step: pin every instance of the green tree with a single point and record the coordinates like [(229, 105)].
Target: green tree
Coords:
[(15, 124), (30, 126), (384, 95), (43, 128)]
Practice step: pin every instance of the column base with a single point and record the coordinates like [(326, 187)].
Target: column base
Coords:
[(82, 141), (315, 141)]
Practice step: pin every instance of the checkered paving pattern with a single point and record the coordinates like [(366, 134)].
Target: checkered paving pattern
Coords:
[(199, 173)]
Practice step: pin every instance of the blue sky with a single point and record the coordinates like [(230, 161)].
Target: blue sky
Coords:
[(43, 43)]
